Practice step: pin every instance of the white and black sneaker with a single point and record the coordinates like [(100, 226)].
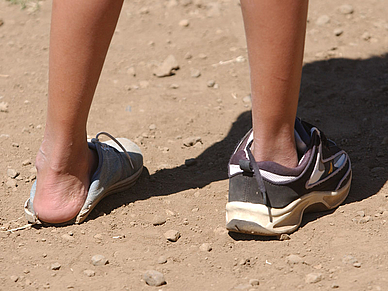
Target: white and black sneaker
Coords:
[(266, 198)]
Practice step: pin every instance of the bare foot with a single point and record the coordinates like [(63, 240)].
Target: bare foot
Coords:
[(62, 181)]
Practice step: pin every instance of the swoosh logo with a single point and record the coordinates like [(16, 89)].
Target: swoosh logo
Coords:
[(319, 169)]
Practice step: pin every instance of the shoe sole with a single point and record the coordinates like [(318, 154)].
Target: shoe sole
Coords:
[(255, 219)]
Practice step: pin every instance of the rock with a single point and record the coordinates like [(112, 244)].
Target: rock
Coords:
[(211, 83), (357, 265), (294, 259), (11, 183), (202, 56), (360, 213), (158, 220), (188, 56), (55, 266), (322, 20), (334, 286), (154, 278), (195, 73), (284, 236), (205, 247), (152, 127), (172, 235), (348, 259), (313, 278), (174, 86), (144, 10), (90, 273), (26, 162), (365, 219), (167, 68), (3, 107), (184, 23), (247, 99), (366, 36), (338, 31), (14, 278), (12, 173), (346, 9), (190, 162), (192, 140), (98, 236), (254, 282), (131, 71), (240, 59), (99, 260), (162, 260)]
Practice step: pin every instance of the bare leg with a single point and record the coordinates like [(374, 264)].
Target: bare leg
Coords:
[(80, 36), (275, 31)]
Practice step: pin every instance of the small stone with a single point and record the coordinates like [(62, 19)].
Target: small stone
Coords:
[(284, 236), (174, 86), (247, 99), (152, 127), (144, 10), (346, 9), (240, 59), (162, 260), (90, 273), (195, 73), (67, 237), (190, 162), (348, 259), (184, 23), (322, 20), (131, 71), (338, 31), (205, 247), (154, 278), (11, 183), (357, 265), (14, 278), (158, 220), (26, 162), (365, 219), (313, 278), (202, 56), (167, 68), (192, 140), (188, 56), (294, 259), (98, 236), (12, 173), (55, 266), (172, 235), (211, 83), (99, 260), (334, 286), (360, 213), (366, 36), (3, 107), (254, 282)]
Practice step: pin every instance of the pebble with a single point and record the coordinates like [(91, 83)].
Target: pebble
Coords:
[(172, 235), (174, 86), (205, 247), (167, 68), (357, 265), (98, 236), (366, 36), (158, 220), (162, 260), (188, 56), (12, 173), (26, 162), (184, 23), (14, 278), (190, 162), (67, 237), (294, 259), (360, 213), (99, 260), (334, 286), (284, 236), (195, 73), (338, 31), (348, 259), (55, 266), (154, 278), (254, 282), (346, 9), (11, 183), (247, 99), (152, 127), (322, 20), (313, 278), (365, 219), (202, 56), (131, 71), (3, 107), (192, 140), (211, 83), (90, 273), (144, 10)]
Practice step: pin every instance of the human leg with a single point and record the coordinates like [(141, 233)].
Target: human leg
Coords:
[(80, 36), (275, 32)]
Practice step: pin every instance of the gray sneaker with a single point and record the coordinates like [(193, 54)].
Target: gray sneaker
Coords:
[(266, 198), (120, 163)]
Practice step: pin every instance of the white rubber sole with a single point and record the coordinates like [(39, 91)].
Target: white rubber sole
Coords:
[(259, 219)]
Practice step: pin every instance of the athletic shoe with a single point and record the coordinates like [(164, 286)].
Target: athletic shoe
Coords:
[(266, 198), (120, 164)]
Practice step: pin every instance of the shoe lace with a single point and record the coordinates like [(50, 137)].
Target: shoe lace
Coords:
[(259, 180), (117, 142)]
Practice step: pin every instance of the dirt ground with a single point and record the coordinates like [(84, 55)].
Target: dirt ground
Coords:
[(344, 92)]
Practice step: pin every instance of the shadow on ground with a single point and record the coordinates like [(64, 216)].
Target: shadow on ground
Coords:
[(347, 99)]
